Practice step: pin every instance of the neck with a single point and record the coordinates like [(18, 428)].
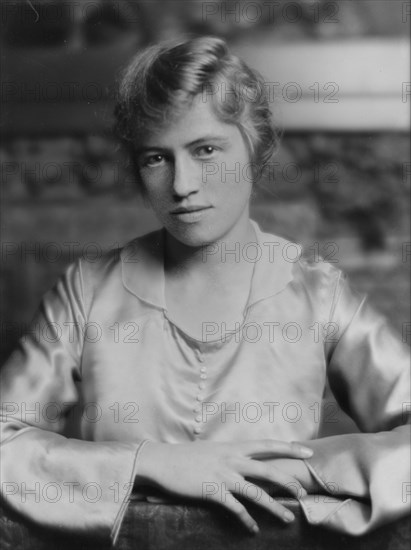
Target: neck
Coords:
[(212, 258)]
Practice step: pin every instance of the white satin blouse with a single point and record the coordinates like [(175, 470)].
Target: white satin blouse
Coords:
[(105, 367)]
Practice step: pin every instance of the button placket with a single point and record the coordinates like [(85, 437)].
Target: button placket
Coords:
[(198, 419)]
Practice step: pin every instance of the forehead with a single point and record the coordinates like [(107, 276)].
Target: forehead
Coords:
[(195, 121)]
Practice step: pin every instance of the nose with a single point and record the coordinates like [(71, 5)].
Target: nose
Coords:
[(186, 176)]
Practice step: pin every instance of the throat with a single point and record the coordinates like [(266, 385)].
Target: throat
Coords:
[(209, 308)]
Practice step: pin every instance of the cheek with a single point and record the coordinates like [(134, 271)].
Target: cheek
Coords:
[(233, 189), (155, 184), (235, 171)]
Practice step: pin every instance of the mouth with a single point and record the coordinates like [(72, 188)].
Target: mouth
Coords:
[(190, 209), (190, 214)]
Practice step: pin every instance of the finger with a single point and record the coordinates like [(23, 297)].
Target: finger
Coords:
[(158, 499), (232, 504), (254, 493), (266, 448), (265, 472)]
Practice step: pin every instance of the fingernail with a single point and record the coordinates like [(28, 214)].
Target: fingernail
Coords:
[(305, 451), (255, 528), (288, 516)]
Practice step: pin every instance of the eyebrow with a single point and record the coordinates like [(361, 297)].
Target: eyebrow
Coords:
[(203, 139)]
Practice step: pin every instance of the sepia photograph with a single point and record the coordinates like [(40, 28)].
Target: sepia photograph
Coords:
[(205, 275)]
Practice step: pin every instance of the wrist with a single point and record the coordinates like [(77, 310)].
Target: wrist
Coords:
[(147, 462), (310, 484)]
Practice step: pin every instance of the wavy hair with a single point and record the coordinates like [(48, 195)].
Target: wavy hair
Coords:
[(162, 80)]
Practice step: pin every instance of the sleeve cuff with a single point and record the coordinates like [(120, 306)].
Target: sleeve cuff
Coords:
[(125, 502), (335, 512)]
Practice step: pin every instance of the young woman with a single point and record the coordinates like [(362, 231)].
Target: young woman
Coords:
[(188, 361)]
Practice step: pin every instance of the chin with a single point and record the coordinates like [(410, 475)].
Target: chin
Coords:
[(194, 235)]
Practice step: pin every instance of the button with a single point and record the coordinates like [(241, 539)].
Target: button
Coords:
[(201, 385), (198, 418), (197, 409), (203, 369), (199, 397), (201, 358), (197, 430), (203, 376)]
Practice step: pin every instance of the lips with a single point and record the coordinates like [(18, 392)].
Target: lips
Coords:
[(189, 209)]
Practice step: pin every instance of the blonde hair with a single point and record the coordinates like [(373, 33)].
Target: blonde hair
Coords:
[(162, 80)]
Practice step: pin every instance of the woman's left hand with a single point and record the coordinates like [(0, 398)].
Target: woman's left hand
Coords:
[(296, 468)]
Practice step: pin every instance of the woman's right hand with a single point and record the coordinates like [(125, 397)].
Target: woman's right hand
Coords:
[(217, 471)]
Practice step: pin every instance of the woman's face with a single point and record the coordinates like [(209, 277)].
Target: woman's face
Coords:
[(196, 173)]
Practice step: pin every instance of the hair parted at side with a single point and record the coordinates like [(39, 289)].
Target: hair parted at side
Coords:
[(161, 81)]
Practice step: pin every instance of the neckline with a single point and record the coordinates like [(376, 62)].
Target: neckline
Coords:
[(222, 339), (210, 341), (142, 267)]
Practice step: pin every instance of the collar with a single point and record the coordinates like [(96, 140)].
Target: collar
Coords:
[(143, 266)]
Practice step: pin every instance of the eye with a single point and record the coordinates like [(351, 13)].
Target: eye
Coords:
[(205, 151), (153, 160)]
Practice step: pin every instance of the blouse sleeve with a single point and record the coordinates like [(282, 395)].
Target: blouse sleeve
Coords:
[(365, 476), (70, 484)]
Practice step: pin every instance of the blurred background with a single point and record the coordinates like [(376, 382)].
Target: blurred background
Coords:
[(339, 76)]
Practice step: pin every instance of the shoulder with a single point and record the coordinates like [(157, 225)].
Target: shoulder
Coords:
[(99, 267), (316, 274), (309, 279), (308, 270), (330, 287), (91, 273)]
